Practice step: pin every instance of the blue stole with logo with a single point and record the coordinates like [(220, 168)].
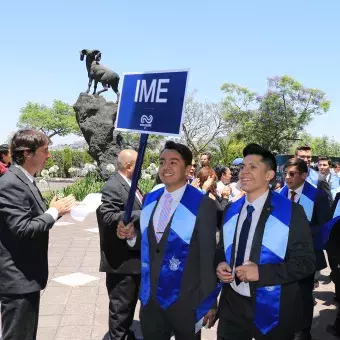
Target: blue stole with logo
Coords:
[(273, 251), (313, 177), (177, 248), (307, 198)]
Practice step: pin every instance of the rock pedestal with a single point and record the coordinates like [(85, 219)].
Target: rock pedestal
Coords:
[(96, 119)]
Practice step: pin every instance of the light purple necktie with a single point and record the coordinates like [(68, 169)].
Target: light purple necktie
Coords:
[(164, 216)]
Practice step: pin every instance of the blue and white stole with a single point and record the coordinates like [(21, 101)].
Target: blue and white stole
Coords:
[(307, 198), (328, 226), (334, 182), (273, 251), (313, 177), (177, 248)]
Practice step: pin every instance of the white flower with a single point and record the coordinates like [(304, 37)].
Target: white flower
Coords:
[(145, 175), (45, 174), (95, 163), (110, 168), (84, 172), (53, 169), (90, 167)]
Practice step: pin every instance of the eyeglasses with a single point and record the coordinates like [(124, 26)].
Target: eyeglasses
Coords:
[(291, 174)]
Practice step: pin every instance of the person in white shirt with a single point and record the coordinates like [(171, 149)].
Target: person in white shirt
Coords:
[(265, 249)]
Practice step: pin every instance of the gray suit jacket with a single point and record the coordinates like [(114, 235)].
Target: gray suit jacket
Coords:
[(24, 231)]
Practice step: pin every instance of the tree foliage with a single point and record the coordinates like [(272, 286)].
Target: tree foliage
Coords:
[(59, 119), (321, 146), (202, 124), (225, 150), (275, 119)]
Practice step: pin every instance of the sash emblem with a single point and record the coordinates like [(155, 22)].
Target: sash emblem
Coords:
[(174, 264)]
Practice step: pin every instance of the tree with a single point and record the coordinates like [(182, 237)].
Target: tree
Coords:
[(202, 124), (275, 119), (321, 146), (225, 150), (59, 119)]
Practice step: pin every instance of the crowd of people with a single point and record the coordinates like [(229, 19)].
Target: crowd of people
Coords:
[(272, 235)]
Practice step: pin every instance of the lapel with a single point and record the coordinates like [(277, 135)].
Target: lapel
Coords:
[(126, 186), (255, 251), (36, 193)]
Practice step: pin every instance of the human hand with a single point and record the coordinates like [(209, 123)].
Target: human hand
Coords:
[(226, 192), (125, 231), (195, 183), (248, 272), (208, 183), (224, 272), (210, 318), (63, 205)]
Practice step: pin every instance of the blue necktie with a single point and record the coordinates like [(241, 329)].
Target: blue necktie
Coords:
[(243, 239)]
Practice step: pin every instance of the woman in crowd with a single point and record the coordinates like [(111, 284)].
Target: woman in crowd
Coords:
[(5, 158), (223, 176)]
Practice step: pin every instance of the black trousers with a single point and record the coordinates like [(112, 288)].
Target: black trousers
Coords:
[(158, 324), (307, 287), (334, 263), (236, 319), (123, 295), (19, 316)]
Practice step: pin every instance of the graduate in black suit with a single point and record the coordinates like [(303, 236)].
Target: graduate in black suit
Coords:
[(120, 262), (265, 249), (178, 225), (24, 229), (315, 203)]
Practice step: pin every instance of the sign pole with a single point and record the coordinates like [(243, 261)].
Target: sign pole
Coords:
[(136, 173)]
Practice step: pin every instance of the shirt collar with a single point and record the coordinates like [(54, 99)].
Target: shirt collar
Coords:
[(259, 202), (128, 181), (28, 175), (177, 194), (298, 190)]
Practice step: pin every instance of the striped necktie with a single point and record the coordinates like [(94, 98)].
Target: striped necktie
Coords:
[(164, 216)]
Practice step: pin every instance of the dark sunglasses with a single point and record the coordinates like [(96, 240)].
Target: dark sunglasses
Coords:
[(291, 174)]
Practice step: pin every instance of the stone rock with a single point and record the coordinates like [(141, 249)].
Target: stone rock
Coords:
[(96, 119)]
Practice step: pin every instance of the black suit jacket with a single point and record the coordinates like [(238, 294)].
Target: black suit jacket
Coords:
[(320, 216), (116, 255), (333, 244), (199, 278), (299, 263), (24, 231), (324, 185)]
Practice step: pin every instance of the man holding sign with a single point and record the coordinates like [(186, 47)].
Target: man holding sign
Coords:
[(178, 242)]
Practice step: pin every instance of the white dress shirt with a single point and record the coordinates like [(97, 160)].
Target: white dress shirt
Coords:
[(128, 181), (243, 287), (51, 211), (298, 193), (176, 196)]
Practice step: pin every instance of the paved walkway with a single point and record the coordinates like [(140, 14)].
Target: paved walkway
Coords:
[(74, 305)]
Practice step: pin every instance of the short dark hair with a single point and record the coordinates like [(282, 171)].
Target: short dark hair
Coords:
[(267, 157), (335, 164), (208, 154), (220, 170), (302, 148), (300, 164), (29, 140), (4, 149), (325, 159), (182, 149)]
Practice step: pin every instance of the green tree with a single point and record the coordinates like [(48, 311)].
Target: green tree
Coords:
[(225, 150), (276, 119), (321, 146), (67, 161), (59, 119)]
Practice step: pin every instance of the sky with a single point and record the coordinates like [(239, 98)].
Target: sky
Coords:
[(242, 42)]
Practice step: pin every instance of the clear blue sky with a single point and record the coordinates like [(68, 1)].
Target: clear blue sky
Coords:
[(220, 41)]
